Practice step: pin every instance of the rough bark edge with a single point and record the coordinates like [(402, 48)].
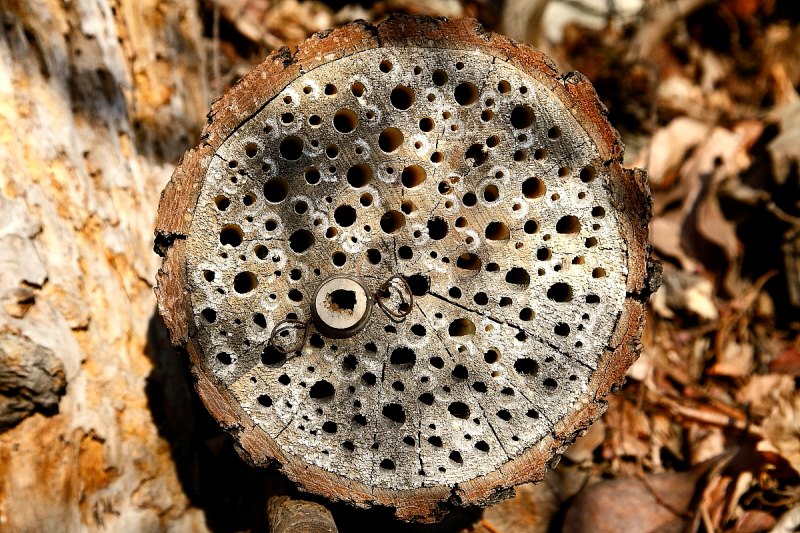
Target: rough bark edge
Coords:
[(251, 94)]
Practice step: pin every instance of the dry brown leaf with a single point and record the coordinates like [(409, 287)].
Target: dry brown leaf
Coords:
[(761, 392), (531, 510), (686, 293), (754, 522), (652, 503), (736, 360), (668, 149), (787, 362), (782, 429), (627, 430)]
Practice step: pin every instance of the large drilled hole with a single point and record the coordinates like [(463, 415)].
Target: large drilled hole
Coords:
[(291, 148), (526, 366), (301, 240), (272, 357), (231, 235), (413, 176), (345, 121), (568, 224), (466, 93), (459, 410), (491, 193), (244, 282), (322, 390), (390, 140), (402, 97), (418, 284), (560, 292), (468, 261), (461, 327), (533, 188), (497, 231), (392, 220), (359, 175), (394, 412), (437, 228), (476, 155), (518, 276), (342, 301), (403, 357), (276, 190), (439, 77), (344, 215), (522, 117)]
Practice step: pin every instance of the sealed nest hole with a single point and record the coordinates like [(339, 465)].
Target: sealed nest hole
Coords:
[(423, 164)]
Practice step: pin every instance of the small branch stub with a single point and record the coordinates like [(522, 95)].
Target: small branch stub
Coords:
[(407, 263)]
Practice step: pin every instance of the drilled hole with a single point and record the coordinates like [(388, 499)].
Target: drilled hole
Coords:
[(322, 390), (392, 221), (418, 284), (461, 327), (390, 140), (522, 117), (568, 224), (402, 97), (560, 292), (345, 121), (413, 176), (403, 357), (244, 282), (357, 88), (518, 276), (394, 412), (291, 148), (459, 410), (497, 231), (344, 215), (231, 235), (301, 240), (437, 228)]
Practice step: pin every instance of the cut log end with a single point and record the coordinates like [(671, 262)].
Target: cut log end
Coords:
[(414, 264)]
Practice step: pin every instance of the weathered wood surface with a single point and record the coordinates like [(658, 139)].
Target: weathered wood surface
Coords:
[(98, 99), (178, 238)]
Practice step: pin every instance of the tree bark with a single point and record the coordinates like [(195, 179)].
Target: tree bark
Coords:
[(98, 99)]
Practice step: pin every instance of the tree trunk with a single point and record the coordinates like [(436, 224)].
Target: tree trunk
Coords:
[(98, 99)]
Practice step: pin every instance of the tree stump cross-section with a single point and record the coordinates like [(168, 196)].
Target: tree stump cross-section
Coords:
[(406, 263)]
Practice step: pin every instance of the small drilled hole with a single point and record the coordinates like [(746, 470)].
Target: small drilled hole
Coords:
[(231, 235), (357, 88), (301, 240), (522, 117), (533, 188)]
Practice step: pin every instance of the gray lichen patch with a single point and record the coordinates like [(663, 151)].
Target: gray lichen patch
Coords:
[(463, 175)]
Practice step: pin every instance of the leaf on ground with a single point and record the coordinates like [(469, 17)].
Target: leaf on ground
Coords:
[(653, 503)]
